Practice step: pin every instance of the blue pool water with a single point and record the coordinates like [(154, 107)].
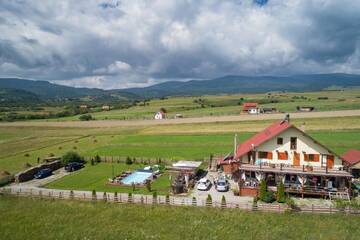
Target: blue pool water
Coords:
[(137, 177)]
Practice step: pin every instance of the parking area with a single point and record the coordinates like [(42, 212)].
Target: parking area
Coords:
[(41, 182), (215, 195)]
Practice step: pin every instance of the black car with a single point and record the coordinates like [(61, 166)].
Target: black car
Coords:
[(43, 173), (73, 166)]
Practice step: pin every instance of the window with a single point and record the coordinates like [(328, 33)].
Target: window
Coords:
[(311, 157), (283, 156), (280, 141), (265, 155), (293, 143)]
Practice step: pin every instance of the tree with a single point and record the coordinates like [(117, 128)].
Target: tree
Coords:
[(85, 117), (263, 190), (72, 157), (223, 201), (128, 160), (148, 185), (280, 196)]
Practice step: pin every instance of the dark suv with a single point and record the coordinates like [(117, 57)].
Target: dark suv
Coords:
[(73, 166), (43, 173)]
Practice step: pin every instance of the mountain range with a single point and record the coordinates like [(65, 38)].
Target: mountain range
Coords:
[(228, 84)]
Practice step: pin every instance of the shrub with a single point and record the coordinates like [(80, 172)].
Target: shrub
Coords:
[(128, 161), (148, 185), (236, 191), (291, 203), (263, 190), (194, 203), (269, 197), (85, 117), (280, 196), (72, 157), (223, 201), (26, 155), (94, 197), (130, 197), (105, 197), (167, 199), (71, 194), (255, 200), (116, 196), (209, 200), (97, 159), (154, 197)]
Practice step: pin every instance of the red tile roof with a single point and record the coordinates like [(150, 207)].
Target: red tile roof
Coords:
[(351, 157), (262, 137)]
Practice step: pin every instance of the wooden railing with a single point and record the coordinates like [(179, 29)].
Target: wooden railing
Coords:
[(165, 200)]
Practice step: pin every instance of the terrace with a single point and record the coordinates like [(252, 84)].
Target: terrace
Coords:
[(299, 180)]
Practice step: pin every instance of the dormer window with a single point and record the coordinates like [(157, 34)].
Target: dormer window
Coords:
[(293, 143), (280, 141)]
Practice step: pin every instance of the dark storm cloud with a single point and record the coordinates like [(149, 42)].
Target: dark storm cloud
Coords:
[(136, 43)]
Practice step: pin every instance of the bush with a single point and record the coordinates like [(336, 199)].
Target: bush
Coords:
[(291, 203), (105, 197), (72, 157), (71, 194), (128, 161), (167, 199), (269, 197), (194, 203), (280, 196), (85, 117), (154, 197), (255, 200), (93, 195), (223, 201), (130, 197), (97, 159), (263, 190), (209, 200), (236, 191), (148, 185)]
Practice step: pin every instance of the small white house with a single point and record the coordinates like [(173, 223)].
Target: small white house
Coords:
[(254, 110), (159, 115)]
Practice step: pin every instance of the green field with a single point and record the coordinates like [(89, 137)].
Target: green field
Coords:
[(217, 105), (173, 142), (45, 219), (96, 178)]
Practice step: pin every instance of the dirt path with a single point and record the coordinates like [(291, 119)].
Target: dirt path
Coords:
[(234, 118)]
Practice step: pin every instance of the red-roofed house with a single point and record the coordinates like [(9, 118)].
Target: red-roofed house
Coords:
[(251, 108), (282, 152), (352, 160)]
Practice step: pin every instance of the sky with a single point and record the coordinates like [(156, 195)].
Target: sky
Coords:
[(135, 43)]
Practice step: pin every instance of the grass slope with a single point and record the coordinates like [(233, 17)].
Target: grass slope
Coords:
[(46, 219)]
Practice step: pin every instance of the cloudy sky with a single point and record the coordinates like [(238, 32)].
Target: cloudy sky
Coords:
[(119, 44)]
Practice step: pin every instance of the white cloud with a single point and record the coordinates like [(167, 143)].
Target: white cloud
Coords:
[(136, 43)]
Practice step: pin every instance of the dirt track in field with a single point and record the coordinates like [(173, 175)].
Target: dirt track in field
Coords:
[(233, 118)]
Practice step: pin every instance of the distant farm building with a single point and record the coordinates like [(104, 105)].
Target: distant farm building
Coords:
[(250, 108), (352, 160), (159, 115), (105, 108), (305, 109), (268, 110)]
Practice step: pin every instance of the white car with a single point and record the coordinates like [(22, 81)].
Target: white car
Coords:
[(222, 185), (204, 184)]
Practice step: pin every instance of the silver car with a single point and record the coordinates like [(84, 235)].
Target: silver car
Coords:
[(222, 185)]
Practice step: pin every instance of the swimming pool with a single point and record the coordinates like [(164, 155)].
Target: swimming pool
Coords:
[(137, 177)]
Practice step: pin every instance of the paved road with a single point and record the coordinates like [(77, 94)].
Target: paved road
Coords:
[(234, 118)]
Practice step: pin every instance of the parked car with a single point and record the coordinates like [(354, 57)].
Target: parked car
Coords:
[(204, 184), (73, 166), (43, 173), (222, 185)]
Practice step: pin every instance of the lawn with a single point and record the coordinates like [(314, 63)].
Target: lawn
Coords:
[(96, 178), (24, 218), (142, 144)]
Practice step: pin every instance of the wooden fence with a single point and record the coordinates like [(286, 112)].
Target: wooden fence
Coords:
[(165, 200), (142, 160)]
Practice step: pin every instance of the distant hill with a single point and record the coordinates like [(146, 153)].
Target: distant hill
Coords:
[(44, 90), (47, 90), (247, 84), (9, 97)]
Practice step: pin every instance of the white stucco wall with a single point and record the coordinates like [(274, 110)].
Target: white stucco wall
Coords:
[(304, 144)]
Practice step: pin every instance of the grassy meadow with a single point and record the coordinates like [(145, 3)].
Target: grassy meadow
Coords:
[(20, 145), (217, 105), (85, 220)]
